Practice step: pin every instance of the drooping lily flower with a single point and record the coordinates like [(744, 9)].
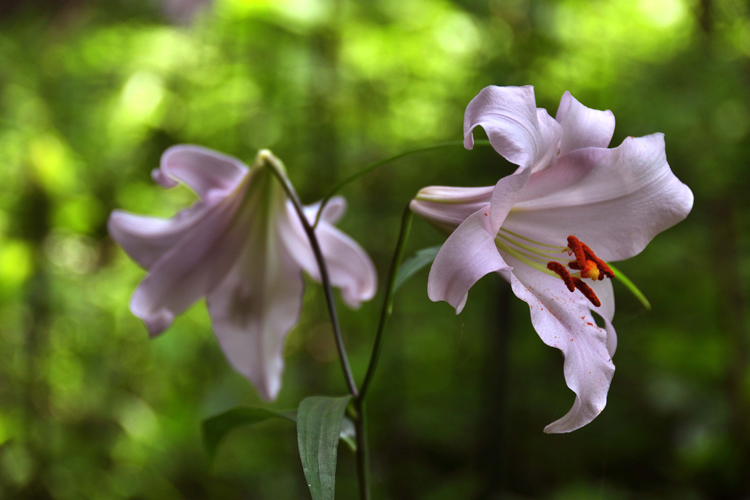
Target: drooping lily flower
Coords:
[(242, 247), (550, 227)]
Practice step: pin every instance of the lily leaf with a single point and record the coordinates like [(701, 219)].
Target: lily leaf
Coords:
[(216, 428), (319, 421), (414, 264), (348, 435)]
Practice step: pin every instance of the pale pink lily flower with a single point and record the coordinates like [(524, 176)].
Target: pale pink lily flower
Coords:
[(567, 184), (243, 247)]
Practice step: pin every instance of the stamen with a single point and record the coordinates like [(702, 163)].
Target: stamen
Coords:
[(541, 253), (603, 267), (560, 270), (539, 266), (557, 248), (576, 247), (586, 291)]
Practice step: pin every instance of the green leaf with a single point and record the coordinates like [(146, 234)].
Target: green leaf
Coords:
[(348, 434), (412, 265), (216, 428), (319, 421)]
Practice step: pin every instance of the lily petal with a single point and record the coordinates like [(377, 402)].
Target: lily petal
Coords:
[(521, 133), (616, 200), (199, 168), (332, 212), (504, 196), (256, 306), (467, 255), (349, 266), (583, 127), (146, 239), (447, 207), (202, 258), (564, 321)]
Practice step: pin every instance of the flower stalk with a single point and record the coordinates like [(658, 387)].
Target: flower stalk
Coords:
[(360, 425), (387, 310), (375, 165), (274, 164)]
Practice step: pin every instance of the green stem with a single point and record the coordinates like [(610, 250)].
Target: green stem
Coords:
[(380, 163), (363, 452), (360, 422), (275, 165), (385, 313)]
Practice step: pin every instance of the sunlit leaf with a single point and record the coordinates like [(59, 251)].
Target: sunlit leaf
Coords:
[(319, 421)]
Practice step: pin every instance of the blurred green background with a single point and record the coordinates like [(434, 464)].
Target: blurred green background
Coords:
[(93, 91)]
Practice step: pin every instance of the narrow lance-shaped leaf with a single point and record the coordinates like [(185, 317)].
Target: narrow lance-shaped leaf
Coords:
[(216, 428), (319, 421), (414, 264)]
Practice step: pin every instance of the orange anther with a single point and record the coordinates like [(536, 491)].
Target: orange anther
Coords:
[(586, 291), (560, 270), (577, 247)]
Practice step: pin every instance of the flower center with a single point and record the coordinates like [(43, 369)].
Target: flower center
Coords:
[(588, 265)]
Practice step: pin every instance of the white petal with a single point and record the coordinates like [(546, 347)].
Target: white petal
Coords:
[(201, 169), (447, 207), (520, 132), (504, 196), (615, 200), (206, 252), (563, 320), (583, 127), (162, 179), (349, 266), (467, 255), (146, 239), (255, 307), (333, 211)]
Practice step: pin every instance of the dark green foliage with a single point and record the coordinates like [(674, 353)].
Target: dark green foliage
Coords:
[(216, 428)]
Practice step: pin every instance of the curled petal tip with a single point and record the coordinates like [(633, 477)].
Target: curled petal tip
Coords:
[(158, 322), (163, 179)]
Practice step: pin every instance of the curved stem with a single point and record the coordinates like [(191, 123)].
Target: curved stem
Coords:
[(380, 163), (385, 313), (278, 170)]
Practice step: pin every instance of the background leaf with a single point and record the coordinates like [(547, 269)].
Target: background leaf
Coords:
[(319, 421), (216, 428), (414, 264)]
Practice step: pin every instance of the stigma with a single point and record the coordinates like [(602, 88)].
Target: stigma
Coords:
[(589, 266)]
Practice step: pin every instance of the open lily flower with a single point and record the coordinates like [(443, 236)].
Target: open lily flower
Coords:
[(242, 247), (549, 228)]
